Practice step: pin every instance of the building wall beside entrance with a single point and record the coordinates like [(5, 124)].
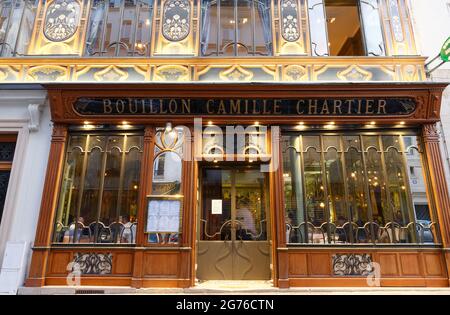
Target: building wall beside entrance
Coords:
[(122, 202)]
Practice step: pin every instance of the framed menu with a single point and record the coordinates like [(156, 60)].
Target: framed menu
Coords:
[(163, 214)]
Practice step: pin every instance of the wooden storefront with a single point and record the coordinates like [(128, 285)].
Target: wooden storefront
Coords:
[(144, 264)]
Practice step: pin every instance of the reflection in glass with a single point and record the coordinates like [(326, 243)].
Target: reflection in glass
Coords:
[(167, 170), (99, 191), (366, 193), (16, 26), (425, 227), (373, 32), (335, 184), (119, 28), (236, 28), (241, 196), (357, 199), (314, 188), (317, 21), (167, 174)]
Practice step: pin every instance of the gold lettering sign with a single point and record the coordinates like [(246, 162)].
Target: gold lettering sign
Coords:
[(255, 107)]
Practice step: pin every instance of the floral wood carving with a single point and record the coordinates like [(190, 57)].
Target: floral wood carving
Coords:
[(93, 263), (430, 133), (352, 264)]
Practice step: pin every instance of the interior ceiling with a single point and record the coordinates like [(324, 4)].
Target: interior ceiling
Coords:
[(346, 24)]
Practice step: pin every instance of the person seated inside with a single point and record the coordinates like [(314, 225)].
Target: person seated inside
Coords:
[(129, 232), (246, 219), (69, 234)]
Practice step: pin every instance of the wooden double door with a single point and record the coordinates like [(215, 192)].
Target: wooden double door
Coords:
[(233, 235)]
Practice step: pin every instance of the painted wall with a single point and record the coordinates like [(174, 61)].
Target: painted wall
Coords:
[(32, 123), (431, 21)]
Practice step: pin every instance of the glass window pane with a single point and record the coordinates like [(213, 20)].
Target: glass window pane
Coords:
[(422, 209), (317, 22), (373, 33), (236, 28), (374, 193), (336, 189), (314, 189), (167, 174), (357, 198), (377, 188), (398, 191), (167, 171), (99, 191), (119, 28), (16, 26), (293, 188)]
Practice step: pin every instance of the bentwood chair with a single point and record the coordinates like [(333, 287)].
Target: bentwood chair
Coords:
[(98, 232), (351, 232), (393, 231), (116, 229), (329, 232), (372, 232)]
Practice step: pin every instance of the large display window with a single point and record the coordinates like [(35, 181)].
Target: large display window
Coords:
[(356, 188)]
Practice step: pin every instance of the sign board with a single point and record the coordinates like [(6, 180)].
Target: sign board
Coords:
[(216, 206), (163, 215), (256, 107), (445, 51)]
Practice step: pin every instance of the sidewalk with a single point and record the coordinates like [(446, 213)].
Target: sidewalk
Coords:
[(235, 288)]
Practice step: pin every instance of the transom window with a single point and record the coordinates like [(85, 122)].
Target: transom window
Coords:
[(236, 28), (119, 28), (355, 188)]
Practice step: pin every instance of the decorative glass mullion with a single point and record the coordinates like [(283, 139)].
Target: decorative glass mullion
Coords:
[(119, 33), (121, 178), (325, 188), (291, 27), (253, 3), (135, 27), (346, 190), (386, 179), (104, 28), (100, 191), (397, 27), (82, 182), (305, 215), (236, 22), (219, 23), (367, 190)]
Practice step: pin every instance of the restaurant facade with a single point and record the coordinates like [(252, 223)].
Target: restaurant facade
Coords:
[(287, 141)]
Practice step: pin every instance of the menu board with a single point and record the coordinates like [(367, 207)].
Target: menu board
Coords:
[(163, 215)]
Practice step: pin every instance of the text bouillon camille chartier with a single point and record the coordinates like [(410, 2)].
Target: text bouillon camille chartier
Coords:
[(265, 107)]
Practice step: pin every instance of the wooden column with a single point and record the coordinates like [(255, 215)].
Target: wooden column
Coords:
[(188, 224), (277, 204), (438, 183), (145, 189), (36, 277)]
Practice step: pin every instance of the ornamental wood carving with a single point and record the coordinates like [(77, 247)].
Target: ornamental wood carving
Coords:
[(430, 133)]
